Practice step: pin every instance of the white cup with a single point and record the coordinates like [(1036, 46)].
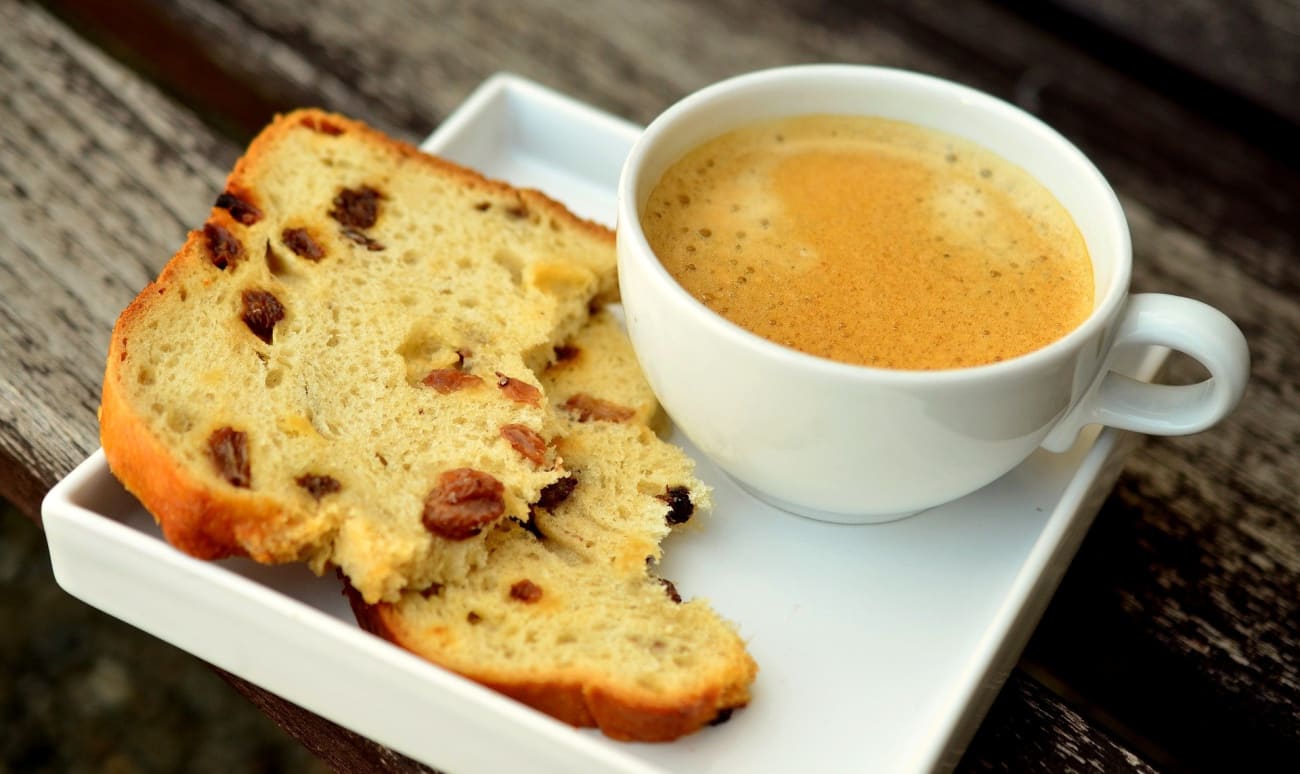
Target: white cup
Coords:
[(856, 444)]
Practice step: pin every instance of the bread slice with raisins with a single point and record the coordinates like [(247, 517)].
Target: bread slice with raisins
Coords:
[(340, 366), (567, 615)]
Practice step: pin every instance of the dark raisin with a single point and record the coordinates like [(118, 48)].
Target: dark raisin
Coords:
[(526, 591), (318, 486), (464, 501), (239, 209), (587, 408), (321, 125), (356, 207), (518, 391), (482, 206), (671, 590), (556, 492), (229, 450), (566, 352), (517, 211), (449, 380), (434, 590), (527, 441), (299, 240), (473, 617), (679, 502), (261, 312), (224, 250), (362, 239), (723, 716)]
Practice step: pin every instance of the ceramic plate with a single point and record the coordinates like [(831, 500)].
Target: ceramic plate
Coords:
[(880, 647)]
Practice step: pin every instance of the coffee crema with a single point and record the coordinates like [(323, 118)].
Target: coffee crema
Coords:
[(871, 241)]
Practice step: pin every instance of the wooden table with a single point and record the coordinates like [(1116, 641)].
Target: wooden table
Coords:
[(1174, 640)]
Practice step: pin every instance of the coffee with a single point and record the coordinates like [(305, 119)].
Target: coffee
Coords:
[(871, 241)]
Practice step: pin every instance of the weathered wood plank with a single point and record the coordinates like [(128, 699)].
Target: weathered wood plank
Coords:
[(99, 179), (1249, 48), (1017, 720), (340, 749)]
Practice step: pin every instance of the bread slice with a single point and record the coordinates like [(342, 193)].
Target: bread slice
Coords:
[(339, 367), (567, 615)]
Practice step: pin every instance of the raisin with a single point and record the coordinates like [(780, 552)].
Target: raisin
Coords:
[(723, 716), (261, 312), (473, 617), (464, 501), (556, 492), (679, 502), (518, 391), (482, 206), (670, 590), (229, 450), (526, 591), (224, 250), (517, 211), (566, 352), (318, 486), (321, 125), (586, 408), (362, 239), (434, 590), (239, 209), (526, 441), (356, 207), (449, 380), (299, 240)]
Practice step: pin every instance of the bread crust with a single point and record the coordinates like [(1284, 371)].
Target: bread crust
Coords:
[(530, 197), (195, 518), (620, 716)]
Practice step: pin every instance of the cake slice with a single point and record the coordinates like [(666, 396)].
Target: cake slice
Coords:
[(340, 366), (567, 614)]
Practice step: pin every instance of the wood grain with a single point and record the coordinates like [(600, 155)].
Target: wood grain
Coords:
[(99, 179), (340, 749), (1016, 722), (1250, 49)]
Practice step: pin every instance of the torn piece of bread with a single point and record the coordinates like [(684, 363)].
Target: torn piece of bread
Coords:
[(339, 367), (566, 614)]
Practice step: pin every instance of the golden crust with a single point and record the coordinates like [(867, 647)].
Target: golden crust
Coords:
[(284, 123), (194, 518), (621, 716)]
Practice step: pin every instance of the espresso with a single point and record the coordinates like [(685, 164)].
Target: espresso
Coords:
[(871, 241)]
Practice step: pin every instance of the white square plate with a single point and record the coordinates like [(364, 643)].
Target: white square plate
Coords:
[(880, 647)]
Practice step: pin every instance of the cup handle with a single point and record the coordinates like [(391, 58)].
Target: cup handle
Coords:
[(1182, 324)]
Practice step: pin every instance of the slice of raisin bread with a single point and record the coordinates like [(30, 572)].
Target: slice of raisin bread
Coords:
[(566, 615), (339, 367)]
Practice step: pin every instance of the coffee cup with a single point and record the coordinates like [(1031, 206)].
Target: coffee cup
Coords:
[(852, 443)]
